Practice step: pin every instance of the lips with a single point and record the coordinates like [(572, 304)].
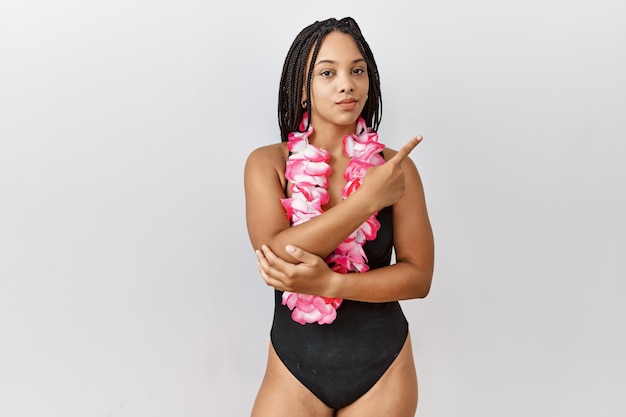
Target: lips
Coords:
[(347, 104)]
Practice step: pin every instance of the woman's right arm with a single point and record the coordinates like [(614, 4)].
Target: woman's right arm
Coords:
[(267, 221)]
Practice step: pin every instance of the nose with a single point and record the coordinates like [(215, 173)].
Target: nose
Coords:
[(346, 85)]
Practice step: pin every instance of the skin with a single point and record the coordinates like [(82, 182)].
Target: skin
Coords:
[(292, 258)]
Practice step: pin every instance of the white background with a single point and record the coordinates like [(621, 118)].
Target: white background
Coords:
[(128, 284)]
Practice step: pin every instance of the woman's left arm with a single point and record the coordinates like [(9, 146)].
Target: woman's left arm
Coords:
[(410, 277)]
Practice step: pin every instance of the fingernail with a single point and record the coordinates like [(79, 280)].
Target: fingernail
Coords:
[(290, 248)]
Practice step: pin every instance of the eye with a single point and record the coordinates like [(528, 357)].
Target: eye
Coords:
[(326, 73), (358, 71)]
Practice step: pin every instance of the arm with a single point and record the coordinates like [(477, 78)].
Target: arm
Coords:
[(409, 277), (268, 224)]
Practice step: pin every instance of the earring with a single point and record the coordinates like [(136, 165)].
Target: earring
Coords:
[(304, 104)]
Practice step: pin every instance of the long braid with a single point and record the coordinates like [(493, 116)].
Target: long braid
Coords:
[(290, 108)]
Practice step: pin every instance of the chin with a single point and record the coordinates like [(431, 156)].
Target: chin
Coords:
[(346, 117), (338, 117)]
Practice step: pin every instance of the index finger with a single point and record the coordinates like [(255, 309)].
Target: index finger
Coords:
[(406, 149)]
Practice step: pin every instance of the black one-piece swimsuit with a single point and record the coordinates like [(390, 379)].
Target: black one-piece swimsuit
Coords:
[(340, 362)]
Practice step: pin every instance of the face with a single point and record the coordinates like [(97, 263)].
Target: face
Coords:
[(339, 85)]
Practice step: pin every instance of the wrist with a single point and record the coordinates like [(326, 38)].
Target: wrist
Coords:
[(336, 287), (365, 203)]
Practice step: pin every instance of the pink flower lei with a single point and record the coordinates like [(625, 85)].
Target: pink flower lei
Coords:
[(307, 170)]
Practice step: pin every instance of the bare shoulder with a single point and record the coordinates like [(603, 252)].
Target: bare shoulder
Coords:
[(274, 153), (265, 167), (269, 157)]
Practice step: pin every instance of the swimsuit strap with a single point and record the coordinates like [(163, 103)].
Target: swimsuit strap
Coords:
[(286, 180)]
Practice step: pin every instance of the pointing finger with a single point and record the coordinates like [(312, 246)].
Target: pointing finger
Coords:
[(406, 149)]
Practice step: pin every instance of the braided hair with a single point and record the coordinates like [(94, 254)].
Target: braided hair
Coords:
[(290, 109)]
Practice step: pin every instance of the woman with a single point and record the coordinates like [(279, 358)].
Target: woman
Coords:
[(325, 208)]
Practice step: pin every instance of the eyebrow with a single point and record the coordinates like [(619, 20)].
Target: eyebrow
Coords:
[(330, 61)]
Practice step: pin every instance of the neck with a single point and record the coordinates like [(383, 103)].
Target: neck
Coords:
[(330, 137)]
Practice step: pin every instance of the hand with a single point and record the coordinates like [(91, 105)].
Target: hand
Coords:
[(311, 276), (386, 182)]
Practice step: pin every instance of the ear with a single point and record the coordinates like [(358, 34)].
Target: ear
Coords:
[(303, 101)]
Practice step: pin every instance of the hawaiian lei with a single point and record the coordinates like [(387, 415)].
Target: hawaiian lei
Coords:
[(307, 170)]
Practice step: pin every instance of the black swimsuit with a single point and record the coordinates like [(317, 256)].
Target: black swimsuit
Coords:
[(340, 362)]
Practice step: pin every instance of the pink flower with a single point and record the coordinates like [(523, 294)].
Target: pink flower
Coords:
[(298, 141), (351, 186), (376, 158), (363, 144), (349, 256), (311, 308), (310, 193), (314, 154), (356, 169), (299, 210), (308, 173), (369, 229)]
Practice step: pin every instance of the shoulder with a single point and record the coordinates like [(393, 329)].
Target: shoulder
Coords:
[(266, 163), (268, 156)]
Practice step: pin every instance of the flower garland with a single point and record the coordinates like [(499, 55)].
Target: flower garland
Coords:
[(307, 170)]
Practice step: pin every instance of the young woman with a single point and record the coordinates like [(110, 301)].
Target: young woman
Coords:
[(325, 209)]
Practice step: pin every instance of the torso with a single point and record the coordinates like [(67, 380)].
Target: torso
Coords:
[(339, 362)]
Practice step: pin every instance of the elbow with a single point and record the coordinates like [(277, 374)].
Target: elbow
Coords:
[(424, 291), (423, 282), (419, 277)]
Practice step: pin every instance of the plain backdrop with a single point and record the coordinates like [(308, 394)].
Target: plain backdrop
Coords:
[(128, 287)]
